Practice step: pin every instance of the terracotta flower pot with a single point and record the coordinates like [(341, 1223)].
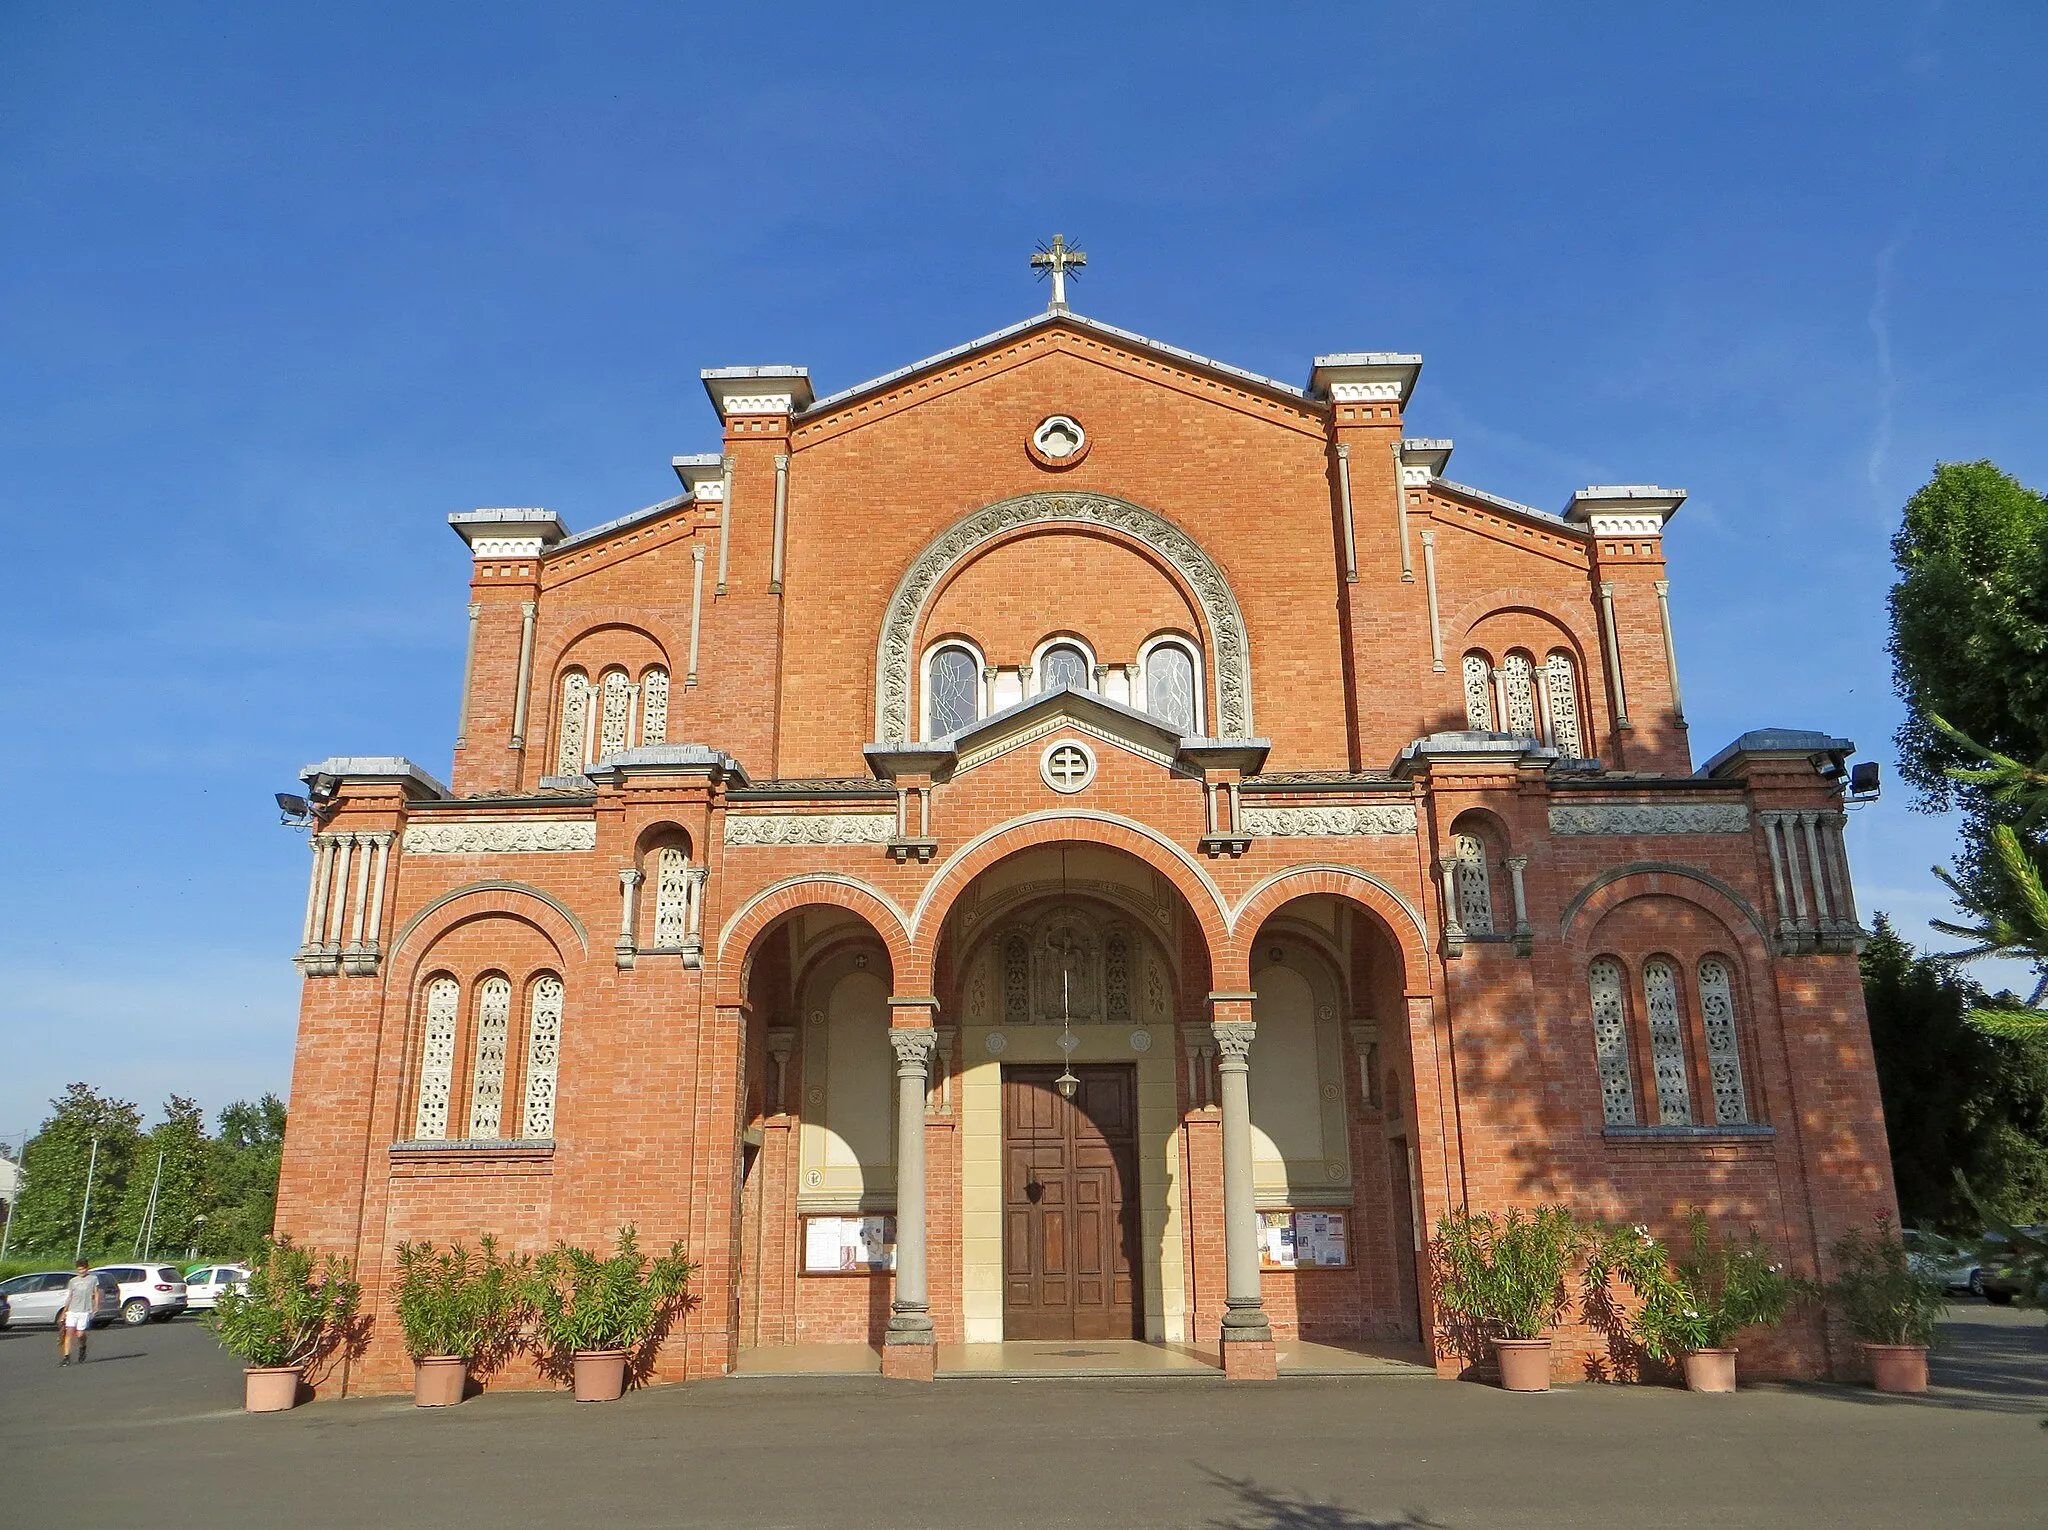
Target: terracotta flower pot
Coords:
[(600, 1374), (1898, 1367), (438, 1380), (271, 1388), (1710, 1370), (1524, 1364)]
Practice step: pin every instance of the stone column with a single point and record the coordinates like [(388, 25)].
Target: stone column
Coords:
[(624, 949), (1247, 1337), (909, 1348)]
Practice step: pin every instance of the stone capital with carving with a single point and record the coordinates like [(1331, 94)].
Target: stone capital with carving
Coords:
[(914, 1046), (1233, 1040)]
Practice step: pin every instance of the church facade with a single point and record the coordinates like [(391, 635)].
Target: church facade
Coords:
[(1075, 840)]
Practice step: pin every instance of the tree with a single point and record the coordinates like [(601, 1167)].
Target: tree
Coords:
[(1954, 1097), (182, 1191), (245, 1160), (1969, 618), (54, 1170)]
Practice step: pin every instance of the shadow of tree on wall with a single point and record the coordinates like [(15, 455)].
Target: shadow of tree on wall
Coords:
[(1264, 1508)]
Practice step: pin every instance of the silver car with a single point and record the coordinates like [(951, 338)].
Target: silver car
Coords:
[(39, 1298)]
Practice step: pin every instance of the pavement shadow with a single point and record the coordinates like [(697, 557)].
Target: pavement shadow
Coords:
[(1264, 1508), (1980, 1367)]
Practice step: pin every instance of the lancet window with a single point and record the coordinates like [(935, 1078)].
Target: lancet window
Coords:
[(953, 688), (618, 713), (1610, 1042), (1724, 1053), (1170, 687), (487, 1073), (1063, 664), (571, 736), (437, 1058), (1561, 690), (1479, 692), (1518, 694), (1474, 884), (654, 706), (543, 1056), (1667, 1043), (671, 897)]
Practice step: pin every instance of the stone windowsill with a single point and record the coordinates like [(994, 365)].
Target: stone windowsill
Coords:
[(478, 1147), (1751, 1133)]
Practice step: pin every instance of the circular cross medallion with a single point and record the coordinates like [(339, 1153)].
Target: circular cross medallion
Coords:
[(1068, 765)]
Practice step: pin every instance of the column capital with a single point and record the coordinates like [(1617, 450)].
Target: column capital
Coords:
[(1233, 1040), (631, 876), (914, 1045)]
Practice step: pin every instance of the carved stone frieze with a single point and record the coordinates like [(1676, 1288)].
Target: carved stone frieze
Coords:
[(509, 838), (1230, 656), (1651, 818), (810, 828), (1316, 822)]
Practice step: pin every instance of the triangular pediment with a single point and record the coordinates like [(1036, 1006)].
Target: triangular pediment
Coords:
[(1030, 721)]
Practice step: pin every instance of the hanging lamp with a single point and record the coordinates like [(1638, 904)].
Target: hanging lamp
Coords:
[(1066, 1083)]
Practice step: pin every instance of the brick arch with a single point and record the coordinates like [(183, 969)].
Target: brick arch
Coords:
[(1657, 879), (753, 918), (1106, 830), (1400, 918), (513, 900)]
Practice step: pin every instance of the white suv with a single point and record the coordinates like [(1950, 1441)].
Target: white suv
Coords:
[(147, 1291)]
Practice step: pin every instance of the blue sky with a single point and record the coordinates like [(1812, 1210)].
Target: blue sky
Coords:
[(282, 290)]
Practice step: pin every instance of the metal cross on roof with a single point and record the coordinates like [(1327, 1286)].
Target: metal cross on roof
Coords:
[(1057, 259)]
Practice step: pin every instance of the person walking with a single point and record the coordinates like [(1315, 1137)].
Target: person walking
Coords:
[(81, 1296)]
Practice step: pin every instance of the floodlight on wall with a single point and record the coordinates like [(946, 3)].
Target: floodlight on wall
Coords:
[(1863, 781), (301, 813)]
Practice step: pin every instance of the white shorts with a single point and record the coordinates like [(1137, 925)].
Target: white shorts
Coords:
[(78, 1322)]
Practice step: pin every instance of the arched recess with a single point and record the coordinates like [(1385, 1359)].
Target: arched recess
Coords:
[(742, 931), (1201, 895), (1591, 903), (895, 652), (539, 908), (1402, 924)]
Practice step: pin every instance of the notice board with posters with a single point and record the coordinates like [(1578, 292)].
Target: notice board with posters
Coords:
[(849, 1245), (1304, 1240)]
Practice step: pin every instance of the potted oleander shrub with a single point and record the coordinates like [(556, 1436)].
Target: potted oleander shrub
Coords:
[(459, 1312), (1505, 1277), (1891, 1307), (1695, 1306), (601, 1312), (297, 1312)]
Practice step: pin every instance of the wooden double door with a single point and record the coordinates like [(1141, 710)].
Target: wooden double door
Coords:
[(1070, 1205)]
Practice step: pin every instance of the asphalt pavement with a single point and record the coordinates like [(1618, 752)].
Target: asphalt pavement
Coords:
[(151, 1433)]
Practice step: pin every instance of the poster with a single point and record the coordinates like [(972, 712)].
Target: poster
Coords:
[(851, 1245), (1302, 1240)]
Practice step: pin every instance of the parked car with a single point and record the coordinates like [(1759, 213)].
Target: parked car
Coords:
[(204, 1283), (1999, 1285), (1932, 1254), (147, 1291), (39, 1298)]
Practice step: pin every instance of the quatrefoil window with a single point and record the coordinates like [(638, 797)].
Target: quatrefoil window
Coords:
[(1067, 766), (1058, 442)]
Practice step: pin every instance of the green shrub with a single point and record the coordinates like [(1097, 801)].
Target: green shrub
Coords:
[(581, 1301), (452, 1302), (290, 1315), (1878, 1293), (1508, 1276)]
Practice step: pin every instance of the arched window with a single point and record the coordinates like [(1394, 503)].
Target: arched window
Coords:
[(1561, 688), (575, 729), (953, 689), (1475, 886), (1724, 1053), (437, 1059), (1518, 694), (671, 897), (487, 1074), (618, 711), (1610, 1042), (543, 1056), (1063, 664), (1667, 1043), (654, 706), (1170, 687), (1479, 692)]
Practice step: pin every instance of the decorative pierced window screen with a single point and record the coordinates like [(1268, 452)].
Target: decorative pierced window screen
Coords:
[(1518, 681), (1610, 1043), (955, 684), (654, 707), (543, 1055), (1475, 888), (575, 723), (1116, 977), (1016, 981), (1561, 680), (1667, 1044), (487, 1083), (437, 1059), (618, 707), (1478, 692), (671, 897), (1170, 687), (1724, 1056), (1064, 664)]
